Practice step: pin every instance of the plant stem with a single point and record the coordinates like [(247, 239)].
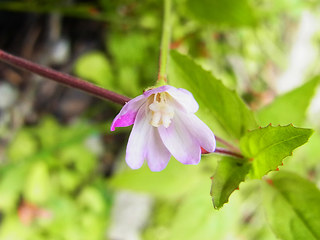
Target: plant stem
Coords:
[(224, 152), (227, 152), (165, 43), (63, 78), (227, 144)]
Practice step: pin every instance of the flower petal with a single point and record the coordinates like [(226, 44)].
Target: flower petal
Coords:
[(199, 131), (138, 140), (158, 155), (163, 88), (181, 144), (184, 98), (128, 113)]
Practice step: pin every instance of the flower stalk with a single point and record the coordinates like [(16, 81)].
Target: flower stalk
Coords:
[(227, 152), (227, 144), (165, 44), (63, 78)]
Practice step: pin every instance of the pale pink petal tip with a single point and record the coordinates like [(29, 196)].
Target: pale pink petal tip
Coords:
[(177, 139), (157, 155), (158, 166)]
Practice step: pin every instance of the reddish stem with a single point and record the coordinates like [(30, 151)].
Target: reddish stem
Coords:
[(63, 78), (227, 152), (224, 152), (227, 144)]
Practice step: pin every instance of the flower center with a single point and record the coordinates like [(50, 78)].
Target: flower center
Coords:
[(162, 112)]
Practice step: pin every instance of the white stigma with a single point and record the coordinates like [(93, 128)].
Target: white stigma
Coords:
[(162, 112)]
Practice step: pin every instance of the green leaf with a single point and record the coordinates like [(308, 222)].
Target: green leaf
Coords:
[(233, 13), (268, 146), (95, 67), (222, 109), (229, 174), (290, 107), (292, 206)]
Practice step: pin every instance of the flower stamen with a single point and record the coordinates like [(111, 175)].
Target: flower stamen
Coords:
[(162, 112)]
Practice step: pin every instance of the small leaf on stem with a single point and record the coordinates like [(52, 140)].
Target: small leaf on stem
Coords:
[(229, 174), (270, 145)]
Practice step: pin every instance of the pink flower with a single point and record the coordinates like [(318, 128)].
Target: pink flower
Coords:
[(164, 124)]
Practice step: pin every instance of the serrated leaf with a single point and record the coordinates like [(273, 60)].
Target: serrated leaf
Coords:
[(290, 107), (221, 108), (232, 13), (229, 174), (268, 146), (297, 199)]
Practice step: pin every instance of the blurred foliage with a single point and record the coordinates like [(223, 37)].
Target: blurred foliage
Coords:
[(293, 196), (95, 67), (214, 12), (50, 171), (290, 107)]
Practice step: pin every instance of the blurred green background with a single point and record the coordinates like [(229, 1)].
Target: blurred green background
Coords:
[(62, 172)]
